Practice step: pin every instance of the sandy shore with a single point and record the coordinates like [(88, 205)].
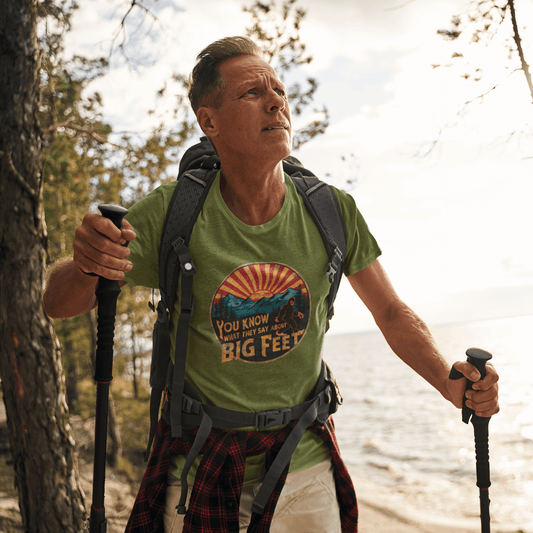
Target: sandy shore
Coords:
[(376, 520), (381, 511), (391, 510)]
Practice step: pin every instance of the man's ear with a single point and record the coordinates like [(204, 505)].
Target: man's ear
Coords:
[(206, 117)]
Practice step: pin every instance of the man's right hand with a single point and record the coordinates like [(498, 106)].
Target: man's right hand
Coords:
[(99, 247)]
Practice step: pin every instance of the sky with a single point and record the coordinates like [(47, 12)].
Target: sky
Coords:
[(455, 223)]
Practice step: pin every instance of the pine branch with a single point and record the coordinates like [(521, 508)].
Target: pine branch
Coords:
[(67, 124)]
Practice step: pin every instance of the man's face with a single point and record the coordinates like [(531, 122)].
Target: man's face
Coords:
[(254, 118)]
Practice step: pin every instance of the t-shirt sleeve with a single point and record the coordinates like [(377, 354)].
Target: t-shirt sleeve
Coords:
[(362, 248), (147, 217)]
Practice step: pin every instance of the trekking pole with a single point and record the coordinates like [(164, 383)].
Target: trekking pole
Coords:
[(479, 358), (107, 293)]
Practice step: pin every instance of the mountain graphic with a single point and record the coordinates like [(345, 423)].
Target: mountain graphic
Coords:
[(243, 308)]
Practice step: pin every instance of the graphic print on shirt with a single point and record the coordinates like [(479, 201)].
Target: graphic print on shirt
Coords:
[(260, 312)]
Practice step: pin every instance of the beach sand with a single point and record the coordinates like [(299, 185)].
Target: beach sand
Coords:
[(378, 520), (389, 510)]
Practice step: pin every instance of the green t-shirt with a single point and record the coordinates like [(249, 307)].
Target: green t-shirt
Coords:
[(256, 334)]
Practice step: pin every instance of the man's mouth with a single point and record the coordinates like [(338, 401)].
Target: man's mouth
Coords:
[(276, 128)]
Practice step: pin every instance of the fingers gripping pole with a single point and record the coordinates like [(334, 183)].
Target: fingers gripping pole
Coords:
[(479, 358), (107, 294)]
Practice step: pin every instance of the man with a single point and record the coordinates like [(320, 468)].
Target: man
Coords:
[(243, 244)]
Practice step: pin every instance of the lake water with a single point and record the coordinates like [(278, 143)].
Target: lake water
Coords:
[(407, 448)]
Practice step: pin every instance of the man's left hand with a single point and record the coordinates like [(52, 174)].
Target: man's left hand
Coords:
[(483, 398)]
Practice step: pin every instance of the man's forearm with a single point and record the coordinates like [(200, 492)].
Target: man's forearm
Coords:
[(411, 341), (69, 291)]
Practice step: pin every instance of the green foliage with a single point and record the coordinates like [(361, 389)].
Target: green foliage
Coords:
[(277, 32)]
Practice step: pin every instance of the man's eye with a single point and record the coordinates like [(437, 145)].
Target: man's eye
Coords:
[(281, 92), (250, 91)]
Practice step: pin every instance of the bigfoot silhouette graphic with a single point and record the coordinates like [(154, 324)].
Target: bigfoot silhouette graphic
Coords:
[(288, 315)]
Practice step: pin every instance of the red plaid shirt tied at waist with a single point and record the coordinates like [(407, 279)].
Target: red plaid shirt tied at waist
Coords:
[(214, 503)]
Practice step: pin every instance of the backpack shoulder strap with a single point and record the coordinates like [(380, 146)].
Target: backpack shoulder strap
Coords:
[(323, 205), (183, 210), (174, 259)]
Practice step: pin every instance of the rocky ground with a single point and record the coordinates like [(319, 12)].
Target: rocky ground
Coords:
[(120, 488)]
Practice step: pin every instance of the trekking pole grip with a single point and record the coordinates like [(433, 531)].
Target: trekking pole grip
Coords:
[(107, 293), (478, 358)]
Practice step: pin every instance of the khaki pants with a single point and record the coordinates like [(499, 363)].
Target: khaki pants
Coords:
[(308, 503)]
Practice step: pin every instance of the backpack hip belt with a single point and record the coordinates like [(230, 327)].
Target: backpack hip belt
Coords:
[(322, 402)]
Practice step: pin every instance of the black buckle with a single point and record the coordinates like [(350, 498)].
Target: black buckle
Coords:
[(269, 419)]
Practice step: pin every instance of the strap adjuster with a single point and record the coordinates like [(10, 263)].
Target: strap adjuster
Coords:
[(190, 406), (334, 265), (184, 257), (188, 307), (269, 419), (186, 404)]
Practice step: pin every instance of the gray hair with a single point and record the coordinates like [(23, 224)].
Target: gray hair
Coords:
[(206, 86)]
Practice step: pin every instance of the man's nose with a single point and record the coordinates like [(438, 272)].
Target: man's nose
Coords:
[(276, 102)]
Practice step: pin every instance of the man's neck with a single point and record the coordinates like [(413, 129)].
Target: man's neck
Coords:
[(254, 195)]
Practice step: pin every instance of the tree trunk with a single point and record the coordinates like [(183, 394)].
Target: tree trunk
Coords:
[(50, 496)]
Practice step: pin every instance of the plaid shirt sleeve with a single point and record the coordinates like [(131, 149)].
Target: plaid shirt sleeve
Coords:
[(214, 504)]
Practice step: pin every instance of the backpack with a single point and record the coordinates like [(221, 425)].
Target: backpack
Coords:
[(197, 171)]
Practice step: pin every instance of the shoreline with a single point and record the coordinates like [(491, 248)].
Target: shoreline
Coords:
[(383, 510), (376, 519)]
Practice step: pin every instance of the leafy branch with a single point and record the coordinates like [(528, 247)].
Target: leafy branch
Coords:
[(482, 20)]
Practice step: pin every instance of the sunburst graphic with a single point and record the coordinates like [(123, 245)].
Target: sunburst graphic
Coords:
[(260, 280)]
